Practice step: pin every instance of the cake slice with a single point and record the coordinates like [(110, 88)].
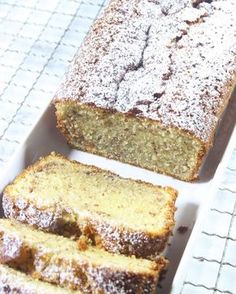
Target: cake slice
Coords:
[(150, 83), (13, 281), (62, 261), (66, 197)]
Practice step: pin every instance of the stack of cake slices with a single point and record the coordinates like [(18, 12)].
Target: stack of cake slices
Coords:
[(74, 228)]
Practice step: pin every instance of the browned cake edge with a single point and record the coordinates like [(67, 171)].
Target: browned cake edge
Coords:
[(61, 221), (75, 275)]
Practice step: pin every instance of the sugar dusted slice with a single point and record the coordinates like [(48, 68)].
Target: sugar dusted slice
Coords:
[(13, 281), (66, 197), (60, 261)]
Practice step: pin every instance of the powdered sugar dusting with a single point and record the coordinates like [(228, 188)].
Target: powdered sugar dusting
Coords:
[(14, 281), (168, 61), (65, 266)]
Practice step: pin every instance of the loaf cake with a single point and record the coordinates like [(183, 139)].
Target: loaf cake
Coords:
[(66, 197), (16, 282), (150, 82), (58, 260)]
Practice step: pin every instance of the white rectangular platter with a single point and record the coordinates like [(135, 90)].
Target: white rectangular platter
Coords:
[(45, 138)]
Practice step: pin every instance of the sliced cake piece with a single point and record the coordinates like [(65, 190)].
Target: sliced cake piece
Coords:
[(66, 197), (60, 260), (16, 282)]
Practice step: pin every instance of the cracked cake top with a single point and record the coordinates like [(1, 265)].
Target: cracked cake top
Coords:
[(165, 60)]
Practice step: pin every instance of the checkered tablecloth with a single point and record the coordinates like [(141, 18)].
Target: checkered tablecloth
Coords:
[(38, 38)]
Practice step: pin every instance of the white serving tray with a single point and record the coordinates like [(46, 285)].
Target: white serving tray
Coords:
[(45, 138)]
